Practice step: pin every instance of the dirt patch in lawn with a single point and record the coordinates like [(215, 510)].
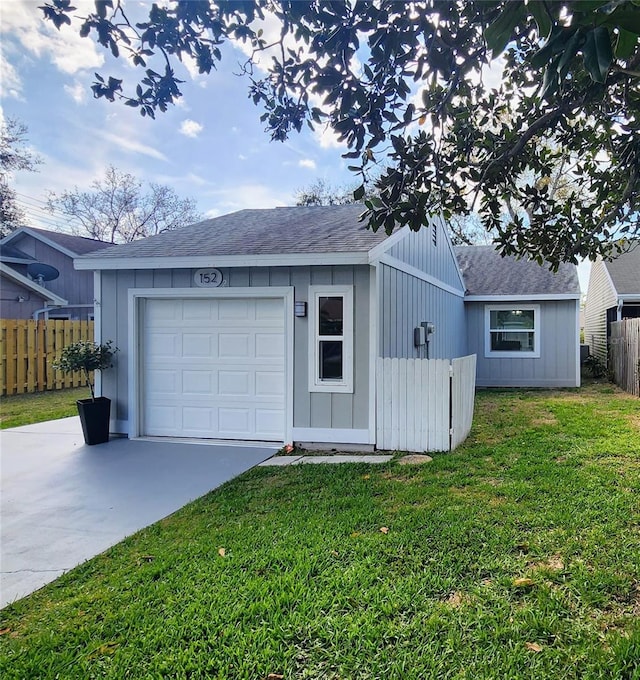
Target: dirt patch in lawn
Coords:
[(554, 563), (415, 459)]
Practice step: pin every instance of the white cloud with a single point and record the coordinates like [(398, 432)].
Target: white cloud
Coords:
[(239, 197), (127, 143), (11, 83), (70, 53), (77, 92), (307, 163), (190, 128)]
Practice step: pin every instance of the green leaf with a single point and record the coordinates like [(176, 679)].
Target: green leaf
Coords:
[(499, 33), (358, 193), (626, 44), (598, 54), (539, 12)]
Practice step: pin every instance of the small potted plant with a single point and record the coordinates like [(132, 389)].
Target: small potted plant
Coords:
[(94, 413)]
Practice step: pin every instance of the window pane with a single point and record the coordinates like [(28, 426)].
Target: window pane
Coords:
[(512, 342), (330, 315), (330, 360), (511, 319)]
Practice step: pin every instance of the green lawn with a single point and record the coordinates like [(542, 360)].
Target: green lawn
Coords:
[(517, 556), (24, 409)]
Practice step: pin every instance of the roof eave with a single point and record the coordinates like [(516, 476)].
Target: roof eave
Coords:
[(33, 286), (201, 261), (533, 297)]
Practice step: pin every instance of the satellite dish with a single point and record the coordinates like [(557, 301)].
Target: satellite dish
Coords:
[(42, 272)]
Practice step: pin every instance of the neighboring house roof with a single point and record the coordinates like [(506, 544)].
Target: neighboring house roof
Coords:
[(625, 271), (273, 231), (9, 253), (67, 243), (28, 284), (487, 273)]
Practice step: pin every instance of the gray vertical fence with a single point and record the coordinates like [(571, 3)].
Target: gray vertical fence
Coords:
[(624, 354)]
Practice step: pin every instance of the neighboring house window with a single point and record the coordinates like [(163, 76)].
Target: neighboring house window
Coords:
[(59, 317), (331, 339), (512, 331)]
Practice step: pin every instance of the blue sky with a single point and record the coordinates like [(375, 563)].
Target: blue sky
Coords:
[(211, 147)]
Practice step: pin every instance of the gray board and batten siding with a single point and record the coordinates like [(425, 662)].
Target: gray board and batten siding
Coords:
[(556, 365), (495, 280), (311, 409), (406, 300)]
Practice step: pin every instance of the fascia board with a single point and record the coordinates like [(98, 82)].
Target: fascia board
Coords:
[(629, 297), (32, 285), (190, 262), (522, 298), (377, 251)]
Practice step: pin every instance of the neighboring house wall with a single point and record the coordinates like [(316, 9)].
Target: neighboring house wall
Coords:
[(74, 286), (601, 296), (311, 409), (406, 299), (10, 308), (558, 361)]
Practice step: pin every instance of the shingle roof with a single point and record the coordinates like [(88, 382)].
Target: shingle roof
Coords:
[(625, 271), (486, 272), (76, 244), (273, 231)]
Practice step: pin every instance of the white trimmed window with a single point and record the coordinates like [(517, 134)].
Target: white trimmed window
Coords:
[(512, 331), (330, 339)]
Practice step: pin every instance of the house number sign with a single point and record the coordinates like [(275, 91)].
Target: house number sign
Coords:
[(208, 278)]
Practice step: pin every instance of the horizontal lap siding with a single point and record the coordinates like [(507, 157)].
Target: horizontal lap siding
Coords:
[(600, 297), (317, 410), (557, 364)]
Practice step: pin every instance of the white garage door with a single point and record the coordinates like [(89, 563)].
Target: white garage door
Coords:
[(214, 368)]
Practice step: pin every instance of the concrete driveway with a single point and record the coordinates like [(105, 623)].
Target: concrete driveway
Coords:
[(64, 502)]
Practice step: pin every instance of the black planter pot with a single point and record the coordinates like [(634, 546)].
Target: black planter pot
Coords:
[(94, 416)]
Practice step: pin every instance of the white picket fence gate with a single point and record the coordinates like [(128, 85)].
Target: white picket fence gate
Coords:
[(424, 404)]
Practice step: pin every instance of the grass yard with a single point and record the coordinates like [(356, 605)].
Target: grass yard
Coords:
[(517, 556), (25, 409)]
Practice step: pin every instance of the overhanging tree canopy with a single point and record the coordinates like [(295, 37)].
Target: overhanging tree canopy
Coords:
[(402, 84)]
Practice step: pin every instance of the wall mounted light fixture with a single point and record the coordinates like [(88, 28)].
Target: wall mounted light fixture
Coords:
[(300, 308)]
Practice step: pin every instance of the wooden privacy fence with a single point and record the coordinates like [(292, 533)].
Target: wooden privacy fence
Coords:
[(28, 350), (424, 404), (624, 354)]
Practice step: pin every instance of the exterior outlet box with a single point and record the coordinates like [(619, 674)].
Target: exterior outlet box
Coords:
[(419, 337)]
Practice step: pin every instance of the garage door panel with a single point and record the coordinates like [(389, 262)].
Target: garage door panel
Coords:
[(235, 309), (196, 345), (163, 418), (269, 384), (162, 381), (197, 419), (269, 310), (163, 345), (269, 345), (198, 310), (227, 375), (198, 382), (269, 422), (235, 383), (233, 345)]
